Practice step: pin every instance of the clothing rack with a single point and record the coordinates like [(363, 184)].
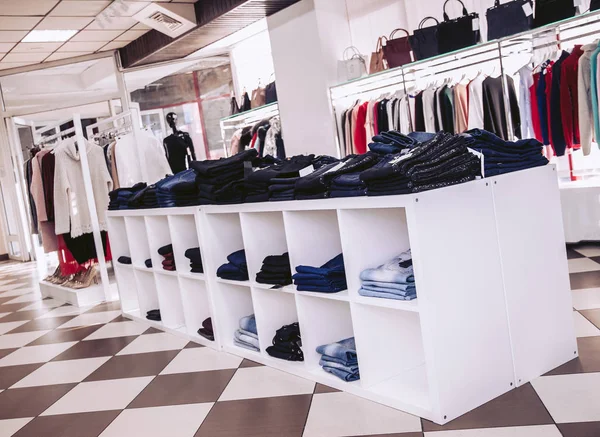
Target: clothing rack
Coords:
[(238, 121)]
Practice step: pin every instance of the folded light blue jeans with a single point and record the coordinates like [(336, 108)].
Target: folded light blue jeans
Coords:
[(390, 285), (248, 323), (342, 374), (245, 345), (344, 350), (333, 364), (243, 338), (410, 292), (371, 293)]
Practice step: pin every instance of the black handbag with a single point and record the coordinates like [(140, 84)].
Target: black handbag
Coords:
[(234, 107), (594, 5), (551, 11), (271, 93), (509, 18), (424, 42), (458, 33)]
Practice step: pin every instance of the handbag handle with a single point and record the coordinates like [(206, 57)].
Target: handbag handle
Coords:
[(355, 53), (380, 43), (398, 30), (464, 10), (424, 20)]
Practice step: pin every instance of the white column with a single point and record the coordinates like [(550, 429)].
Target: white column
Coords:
[(307, 39)]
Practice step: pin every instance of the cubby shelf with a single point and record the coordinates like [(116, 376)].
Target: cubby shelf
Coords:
[(485, 254)]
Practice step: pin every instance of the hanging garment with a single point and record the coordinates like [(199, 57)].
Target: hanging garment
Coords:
[(428, 110), (274, 135), (382, 118), (594, 90), (475, 91), (179, 149), (28, 173), (461, 108), (548, 98), (71, 211), (556, 115), (154, 156), (258, 98), (369, 122), (543, 106), (535, 110), (494, 113), (234, 143), (447, 108), (404, 116), (112, 151), (439, 121), (127, 161), (585, 111), (569, 97), (360, 134), (525, 83), (419, 113)]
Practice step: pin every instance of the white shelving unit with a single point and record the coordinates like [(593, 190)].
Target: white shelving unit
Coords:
[(493, 308)]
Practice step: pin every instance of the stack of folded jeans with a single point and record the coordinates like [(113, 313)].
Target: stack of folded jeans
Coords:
[(148, 263), (195, 258), (144, 199), (329, 278), (287, 344), (119, 198), (154, 315), (506, 156), (319, 183), (247, 334), (221, 181), (258, 183), (236, 269), (258, 190), (169, 259), (392, 280), (207, 330), (340, 359), (392, 142), (275, 270), (124, 260), (177, 190), (440, 162)]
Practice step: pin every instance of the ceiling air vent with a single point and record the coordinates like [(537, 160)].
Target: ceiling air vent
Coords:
[(172, 19)]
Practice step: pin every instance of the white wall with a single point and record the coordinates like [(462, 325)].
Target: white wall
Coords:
[(251, 62)]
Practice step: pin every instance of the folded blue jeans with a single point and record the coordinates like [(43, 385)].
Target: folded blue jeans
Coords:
[(342, 374), (343, 349), (399, 270), (238, 259), (333, 266), (395, 285), (380, 294), (245, 345), (248, 323), (343, 362), (240, 336), (409, 292), (336, 365), (320, 289)]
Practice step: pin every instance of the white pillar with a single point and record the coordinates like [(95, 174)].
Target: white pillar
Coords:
[(307, 40)]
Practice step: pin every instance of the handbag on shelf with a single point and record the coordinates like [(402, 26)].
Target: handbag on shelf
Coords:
[(397, 51), (510, 18), (246, 103), (234, 107), (424, 41), (351, 67), (460, 32), (258, 97), (594, 5), (551, 11), (378, 62), (270, 93)]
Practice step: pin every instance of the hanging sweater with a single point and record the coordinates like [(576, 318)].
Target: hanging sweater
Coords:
[(71, 212), (586, 121)]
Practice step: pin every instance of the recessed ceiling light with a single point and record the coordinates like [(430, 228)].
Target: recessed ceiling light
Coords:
[(49, 35)]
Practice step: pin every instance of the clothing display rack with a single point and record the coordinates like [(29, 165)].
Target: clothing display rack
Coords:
[(472, 334), (498, 58), (239, 121), (106, 290)]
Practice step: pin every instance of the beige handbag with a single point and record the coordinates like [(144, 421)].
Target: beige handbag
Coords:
[(378, 62), (259, 97)]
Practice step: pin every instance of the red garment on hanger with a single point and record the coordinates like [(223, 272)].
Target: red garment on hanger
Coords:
[(253, 142), (569, 98), (376, 118), (360, 133), (535, 109), (548, 79)]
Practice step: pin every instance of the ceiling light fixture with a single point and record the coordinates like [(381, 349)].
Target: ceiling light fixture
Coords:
[(49, 35)]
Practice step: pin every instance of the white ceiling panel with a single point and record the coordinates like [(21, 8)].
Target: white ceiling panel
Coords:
[(114, 45), (64, 55), (133, 7), (115, 23), (131, 35), (36, 47), (26, 7), (25, 57), (63, 23), (18, 23), (81, 46), (87, 8), (12, 35), (96, 35)]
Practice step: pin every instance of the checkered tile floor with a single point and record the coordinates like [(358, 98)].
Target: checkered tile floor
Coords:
[(88, 372)]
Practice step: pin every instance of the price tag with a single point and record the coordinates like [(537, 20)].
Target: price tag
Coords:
[(481, 157), (336, 168), (475, 24), (306, 171), (529, 10)]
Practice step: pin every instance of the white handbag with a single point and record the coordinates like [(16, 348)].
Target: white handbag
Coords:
[(353, 66)]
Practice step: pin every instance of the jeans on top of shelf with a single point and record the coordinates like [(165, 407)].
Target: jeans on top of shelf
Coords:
[(381, 294), (502, 169), (212, 167), (277, 260), (248, 323), (399, 269), (333, 266), (316, 280), (287, 169), (348, 193), (185, 179)]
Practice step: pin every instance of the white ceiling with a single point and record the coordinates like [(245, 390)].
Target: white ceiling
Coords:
[(19, 17)]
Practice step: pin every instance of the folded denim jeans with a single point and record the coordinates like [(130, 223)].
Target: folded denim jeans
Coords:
[(331, 267), (347, 193), (409, 292), (343, 374), (248, 323), (320, 288), (238, 259), (165, 250), (394, 285), (344, 350), (395, 296), (321, 282), (340, 361), (213, 167), (334, 364), (399, 270), (245, 345), (240, 336)]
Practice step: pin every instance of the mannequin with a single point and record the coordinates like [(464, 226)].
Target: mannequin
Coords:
[(179, 146)]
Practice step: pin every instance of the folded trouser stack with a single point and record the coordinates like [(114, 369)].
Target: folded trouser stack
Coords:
[(247, 334), (207, 330), (119, 198), (169, 259), (392, 280), (193, 254), (329, 278), (178, 190), (340, 359), (154, 315), (275, 270), (236, 269), (287, 344)]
